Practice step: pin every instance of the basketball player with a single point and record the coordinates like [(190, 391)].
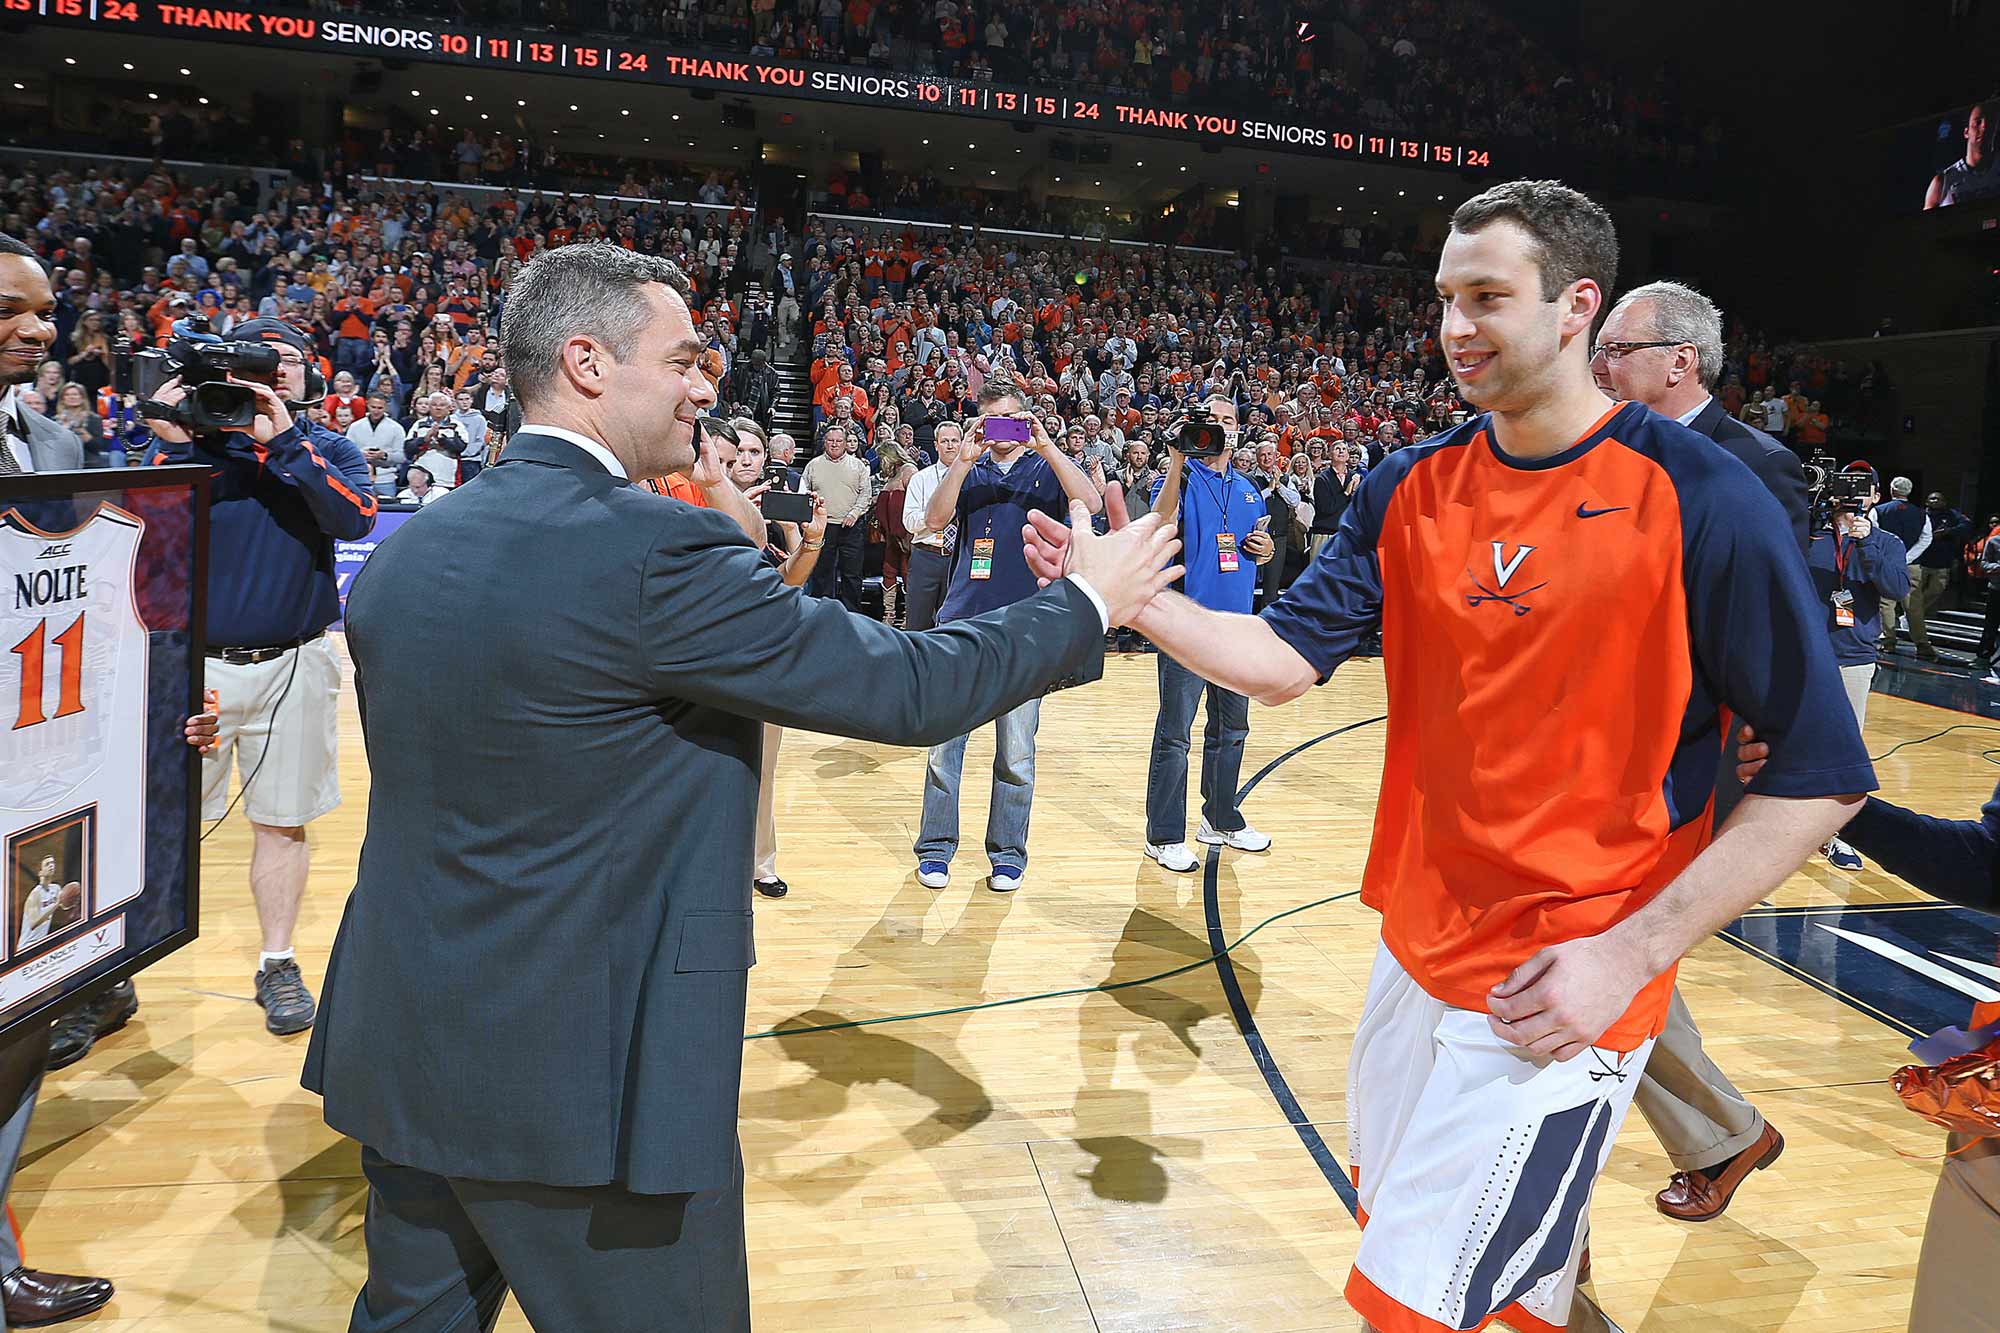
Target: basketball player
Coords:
[(1975, 175), (1569, 591), (38, 914)]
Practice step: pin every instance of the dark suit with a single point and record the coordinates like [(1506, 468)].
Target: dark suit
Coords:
[(25, 1055), (1695, 1111), (541, 978)]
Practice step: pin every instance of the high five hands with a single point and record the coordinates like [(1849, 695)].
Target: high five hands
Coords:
[(1128, 567)]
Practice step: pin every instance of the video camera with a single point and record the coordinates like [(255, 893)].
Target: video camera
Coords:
[(1834, 491), (1199, 434), (203, 363)]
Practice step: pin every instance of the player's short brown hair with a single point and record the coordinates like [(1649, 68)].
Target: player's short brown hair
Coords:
[(1573, 235)]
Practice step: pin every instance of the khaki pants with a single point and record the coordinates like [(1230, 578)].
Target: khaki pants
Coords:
[(1691, 1106), (1958, 1283), (1927, 589)]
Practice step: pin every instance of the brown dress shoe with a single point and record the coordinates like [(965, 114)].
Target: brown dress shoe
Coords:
[(35, 1299), (1697, 1196)]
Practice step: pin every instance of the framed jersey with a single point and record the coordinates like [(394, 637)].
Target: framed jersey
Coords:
[(102, 579)]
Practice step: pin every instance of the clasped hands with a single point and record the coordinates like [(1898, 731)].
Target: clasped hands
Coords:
[(1054, 550)]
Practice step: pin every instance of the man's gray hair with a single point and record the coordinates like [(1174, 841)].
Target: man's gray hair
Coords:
[(594, 289), (1686, 316), (1901, 488)]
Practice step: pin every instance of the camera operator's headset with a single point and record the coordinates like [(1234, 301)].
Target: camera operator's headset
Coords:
[(315, 392)]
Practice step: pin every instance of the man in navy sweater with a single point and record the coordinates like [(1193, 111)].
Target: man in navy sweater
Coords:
[(280, 494), (1856, 568), (1911, 526), (1957, 860)]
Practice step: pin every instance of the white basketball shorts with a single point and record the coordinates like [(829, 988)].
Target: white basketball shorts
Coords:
[(1475, 1162)]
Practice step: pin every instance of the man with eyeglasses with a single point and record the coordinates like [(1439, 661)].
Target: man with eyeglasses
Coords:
[(282, 493), (1662, 346)]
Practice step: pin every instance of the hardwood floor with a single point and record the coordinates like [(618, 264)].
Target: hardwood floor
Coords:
[(1105, 1160)]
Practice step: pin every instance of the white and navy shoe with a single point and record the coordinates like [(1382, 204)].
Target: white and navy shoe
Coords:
[(933, 874), (1245, 839), (1173, 856), (1842, 857), (1006, 879)]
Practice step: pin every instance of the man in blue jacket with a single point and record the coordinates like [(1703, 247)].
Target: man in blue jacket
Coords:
[(1857, 568), (281, 493)]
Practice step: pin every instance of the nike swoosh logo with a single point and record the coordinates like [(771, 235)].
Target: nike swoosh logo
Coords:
[(1584, 511)]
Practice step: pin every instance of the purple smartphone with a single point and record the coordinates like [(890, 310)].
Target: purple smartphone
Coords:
[(1008, 428)]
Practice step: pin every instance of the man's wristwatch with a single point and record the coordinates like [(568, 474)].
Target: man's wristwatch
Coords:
[(812, 546)]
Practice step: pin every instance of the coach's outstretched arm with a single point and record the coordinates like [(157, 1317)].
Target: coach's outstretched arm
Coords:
[(726, 632), (1277, 656)]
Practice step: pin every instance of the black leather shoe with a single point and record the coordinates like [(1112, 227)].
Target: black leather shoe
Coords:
[(36, 1299), (771, 888), (78, 1030)]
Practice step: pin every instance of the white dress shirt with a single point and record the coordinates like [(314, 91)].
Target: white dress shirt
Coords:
[(17, 439), (585, 443), (917, 501)]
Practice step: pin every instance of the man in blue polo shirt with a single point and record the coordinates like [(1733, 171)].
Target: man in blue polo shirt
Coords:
[(986, 496), (1218, 509)]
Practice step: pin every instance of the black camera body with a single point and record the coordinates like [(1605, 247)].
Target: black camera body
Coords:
[(1199, 435), (1848, 492), (203, 363)]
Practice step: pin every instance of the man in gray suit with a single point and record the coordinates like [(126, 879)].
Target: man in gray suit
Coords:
[(534, 1011), (29, 442)]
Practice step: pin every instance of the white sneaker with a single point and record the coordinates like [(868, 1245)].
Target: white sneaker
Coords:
[(1006, 879), (1245, 839), (1991, 678), (933, 874), (1173, 856)]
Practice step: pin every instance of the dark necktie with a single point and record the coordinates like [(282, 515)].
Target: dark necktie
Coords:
[(10, 431)]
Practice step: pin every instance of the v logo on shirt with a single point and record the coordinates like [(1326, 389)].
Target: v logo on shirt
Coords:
[(1503, 566)]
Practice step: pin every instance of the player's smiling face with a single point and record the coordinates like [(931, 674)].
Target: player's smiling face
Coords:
[(1500, 338)]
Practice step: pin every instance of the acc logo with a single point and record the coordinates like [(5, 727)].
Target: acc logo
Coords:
[(1504, 568), (54, 552)]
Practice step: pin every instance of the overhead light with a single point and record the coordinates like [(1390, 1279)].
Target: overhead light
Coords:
[(484, 116), (600, 136), (991, 172), (434, 111), (468, 97), (677, 115), (572, 106), (927, 143), (690, 143), (1362, 188), (1017, 150), (202, 100), (1440, 198), (1400, 193), (972, 145), (624, 113), (20, 87), (646, 140), (1059, 180), (520, 101), (1183, 168), (69, 60), (1140, 164), (152, 97), (415, 93), (128, 64), (187, 73)]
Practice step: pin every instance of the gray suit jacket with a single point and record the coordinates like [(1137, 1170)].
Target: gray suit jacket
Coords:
[(53, 447), (541, 971)]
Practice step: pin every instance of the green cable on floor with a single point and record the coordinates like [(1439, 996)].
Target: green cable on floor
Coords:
[(1054, 994)]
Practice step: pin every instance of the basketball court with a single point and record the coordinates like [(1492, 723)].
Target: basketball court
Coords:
[(1158, 1145)]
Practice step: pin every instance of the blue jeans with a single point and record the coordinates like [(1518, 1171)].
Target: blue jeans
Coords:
[(1013, 791), (1221, 755)]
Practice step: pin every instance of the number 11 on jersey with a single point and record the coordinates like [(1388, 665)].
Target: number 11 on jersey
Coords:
[(33, 652)]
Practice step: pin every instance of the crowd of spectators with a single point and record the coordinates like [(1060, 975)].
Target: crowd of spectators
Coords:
[(401, 291), (1436, 68), (927, 197)]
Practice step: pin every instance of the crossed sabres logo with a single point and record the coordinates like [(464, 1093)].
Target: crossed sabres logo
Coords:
[(1504, 569)]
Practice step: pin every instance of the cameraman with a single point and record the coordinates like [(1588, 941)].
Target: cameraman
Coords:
[(1856, 566), (281, 493), (1217, 509)]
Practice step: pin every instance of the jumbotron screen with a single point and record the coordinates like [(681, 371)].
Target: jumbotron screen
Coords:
[(1954, 159), (668, 66)]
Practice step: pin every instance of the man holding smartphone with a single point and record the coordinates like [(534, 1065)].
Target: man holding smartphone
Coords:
[(1007, 469), (1225, 539)]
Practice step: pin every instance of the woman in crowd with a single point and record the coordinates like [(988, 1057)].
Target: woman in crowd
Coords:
[(76, 412), (90, 363), (1332, 492)]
